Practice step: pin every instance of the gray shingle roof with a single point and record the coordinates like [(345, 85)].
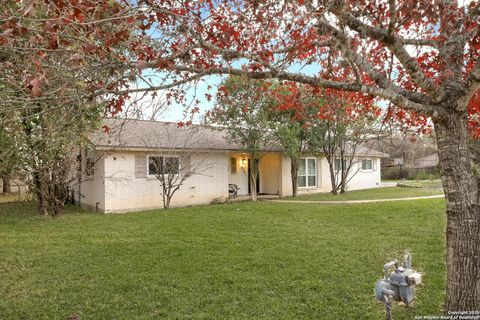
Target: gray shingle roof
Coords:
[(143, 134), (367, 151)]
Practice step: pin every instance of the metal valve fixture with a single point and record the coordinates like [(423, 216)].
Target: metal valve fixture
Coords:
[(398, 285)]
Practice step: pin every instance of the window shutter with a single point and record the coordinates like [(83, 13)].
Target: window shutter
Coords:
[(140, 166), (185, 164), (233, 165)]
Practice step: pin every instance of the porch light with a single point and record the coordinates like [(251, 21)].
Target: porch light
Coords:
[(243, 163)]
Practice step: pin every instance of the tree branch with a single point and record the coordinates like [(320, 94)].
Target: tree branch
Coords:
[(410, 65), (473, 82)]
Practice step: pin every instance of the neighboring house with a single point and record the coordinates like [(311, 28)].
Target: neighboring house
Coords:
[(427, 161), (116, 169), (17, 185)]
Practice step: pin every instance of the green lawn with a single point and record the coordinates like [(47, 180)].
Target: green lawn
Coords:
[(423, 183), (232, 261), (369, 194)]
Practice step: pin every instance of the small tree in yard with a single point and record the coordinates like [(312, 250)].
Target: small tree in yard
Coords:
[(292, 114), (243, 112), (345, 121), (53, 59), (290, 137), (179, 161), (323, 122)]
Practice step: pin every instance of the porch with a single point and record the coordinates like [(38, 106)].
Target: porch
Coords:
[(269, 177)]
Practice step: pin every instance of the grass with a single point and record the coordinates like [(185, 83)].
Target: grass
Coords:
[(436, 183), (433, 183), (370, 194), (231, 261)]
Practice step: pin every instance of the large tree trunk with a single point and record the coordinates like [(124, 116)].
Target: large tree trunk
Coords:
[(463, 215), (294, 175), (6, 183)]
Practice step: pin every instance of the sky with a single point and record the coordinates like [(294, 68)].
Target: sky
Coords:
[(175, 112)]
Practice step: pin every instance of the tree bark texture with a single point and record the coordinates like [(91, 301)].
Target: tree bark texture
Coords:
[(463, 214), (294, 175), (333, 178), (253, 176)]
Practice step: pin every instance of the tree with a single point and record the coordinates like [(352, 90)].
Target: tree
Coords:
[(290, 136), (179, 161), (46, 86), (323, 122), (291, 115), (346, 121), (420, 55), (243, 113)]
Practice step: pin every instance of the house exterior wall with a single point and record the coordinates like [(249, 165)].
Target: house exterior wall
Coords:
[(90, 193), (285, 177), (125, 192), (117, 187), (269, 168), (16, 185), (358, 179), (365, 179)]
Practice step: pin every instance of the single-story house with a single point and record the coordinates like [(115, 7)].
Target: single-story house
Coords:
[(117, 171)]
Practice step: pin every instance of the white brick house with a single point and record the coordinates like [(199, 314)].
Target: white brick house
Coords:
[(115, 169)]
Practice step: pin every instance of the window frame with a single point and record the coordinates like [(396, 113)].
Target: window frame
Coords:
[(367, 159), (307, 175), (163, 164)]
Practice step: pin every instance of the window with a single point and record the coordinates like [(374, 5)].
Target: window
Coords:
[(367, 164), (233, 165), (307, 172), (163, 165), (338, 167), (90, 167)]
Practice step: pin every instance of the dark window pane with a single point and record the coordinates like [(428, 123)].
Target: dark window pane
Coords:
[(302, 180), (155, 165), (311, 167), (302, 170), (337, 164), (312, 181), (172, 165), (367, 164)]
